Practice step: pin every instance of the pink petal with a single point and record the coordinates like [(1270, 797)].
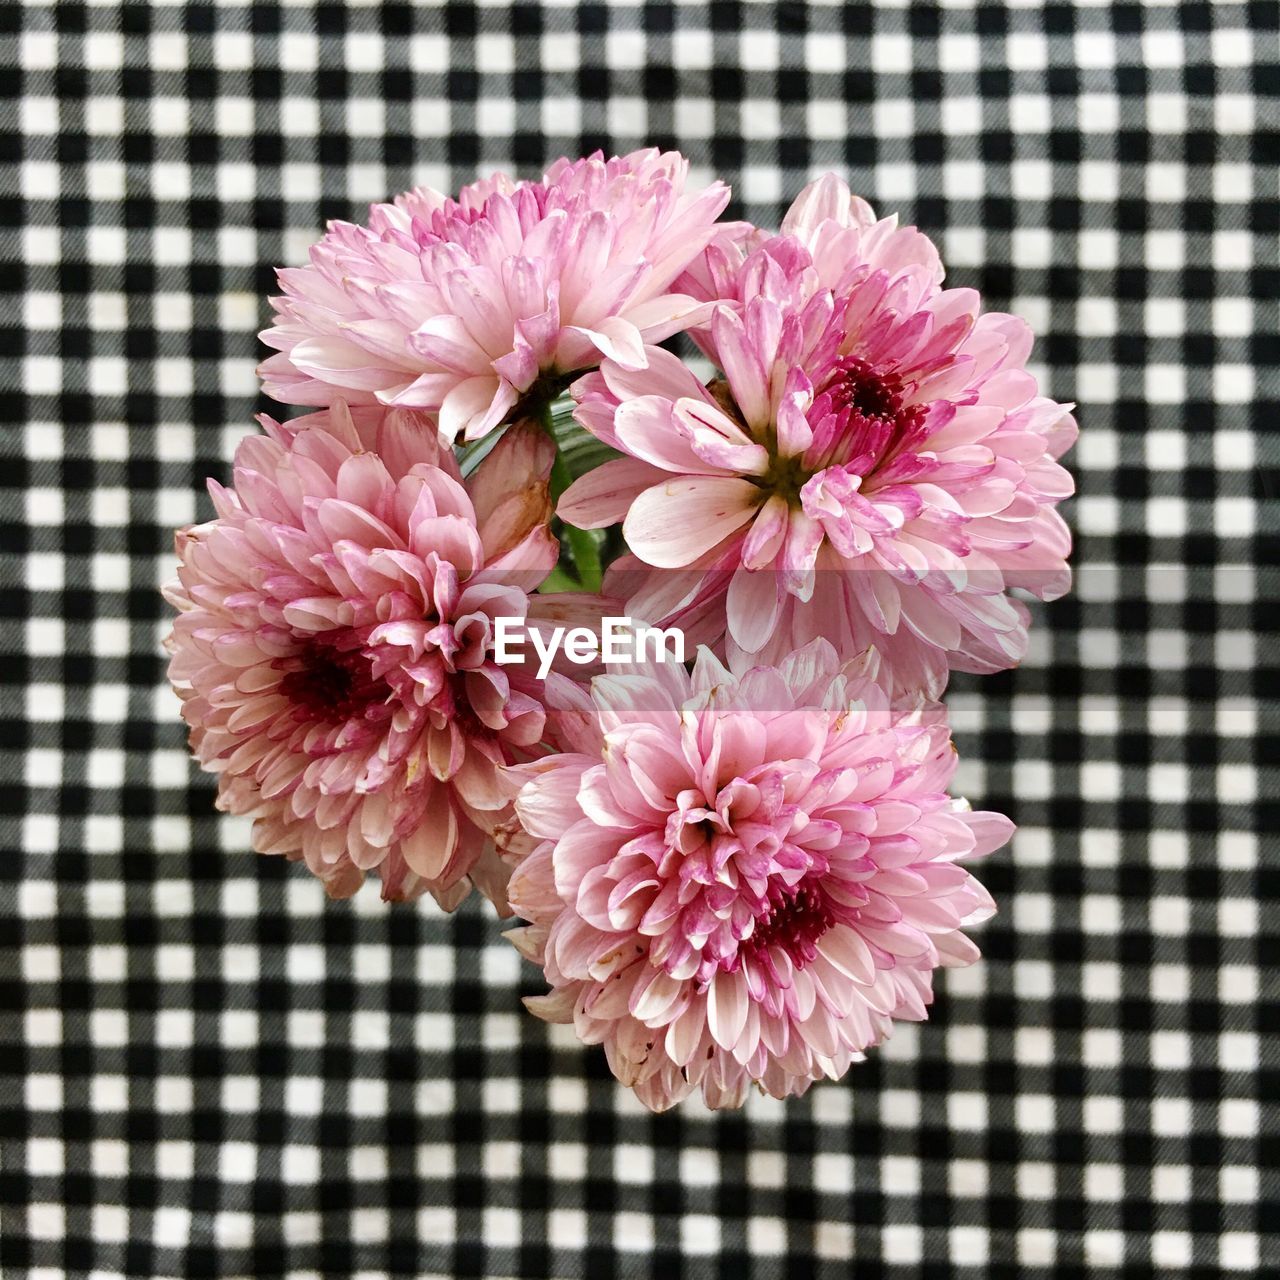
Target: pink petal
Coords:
[(346, 365), (604, 495), (665, 375), (660, 317), (430, 847), (752, 606), (548, 804), (644, 428), (827, 198), (990, 830), (672, 524), (748, 379), (470, 402), (717, 439), (727, 1008), (768, 531), (616, 340)]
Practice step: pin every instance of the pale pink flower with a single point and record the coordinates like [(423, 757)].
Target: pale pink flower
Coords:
[(469, 307), (874, 466), (333, 646), (840, 232), (744, 879)]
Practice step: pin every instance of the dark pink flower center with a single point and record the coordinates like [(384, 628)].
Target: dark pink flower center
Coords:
[(333, 685), (457, 706), (793, 919), (877, 422)]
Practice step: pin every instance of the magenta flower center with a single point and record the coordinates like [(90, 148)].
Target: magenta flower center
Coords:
[(793, 919), (876, 421), (856, 386), (333, 685)]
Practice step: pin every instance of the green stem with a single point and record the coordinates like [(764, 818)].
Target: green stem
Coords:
[(582, 543)]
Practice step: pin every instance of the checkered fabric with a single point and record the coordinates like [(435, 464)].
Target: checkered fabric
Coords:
[(207, 1069)]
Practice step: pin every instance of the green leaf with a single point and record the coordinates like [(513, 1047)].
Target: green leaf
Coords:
[(474, 452), (581, 451), (583, 544), (560, 579)]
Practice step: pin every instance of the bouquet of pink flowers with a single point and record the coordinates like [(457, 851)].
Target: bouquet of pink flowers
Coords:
[(438, 626)]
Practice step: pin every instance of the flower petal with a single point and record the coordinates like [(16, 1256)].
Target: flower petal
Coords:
[(604, 495), (673, 523)]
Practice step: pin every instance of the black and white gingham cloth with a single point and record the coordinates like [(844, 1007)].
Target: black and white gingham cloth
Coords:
[(206, 1069)]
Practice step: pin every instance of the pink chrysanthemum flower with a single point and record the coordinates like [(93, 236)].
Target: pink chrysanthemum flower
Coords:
[(841, 234), (744, 879), (461, 307), (333, 646), (874, 466)]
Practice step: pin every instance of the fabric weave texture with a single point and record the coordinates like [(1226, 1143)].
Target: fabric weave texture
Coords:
[(209, 1069)]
